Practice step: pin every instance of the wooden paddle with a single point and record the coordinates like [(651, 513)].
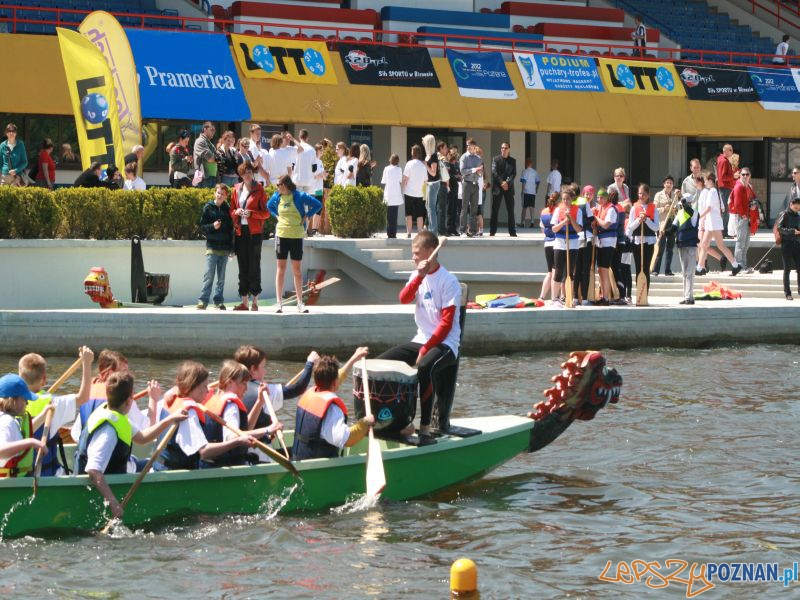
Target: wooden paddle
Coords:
[(376, 477), (568, 301), (312, 286), (273, 454), (37, 465), (641, 278), (274, 418), (442, 244), (66, 375), (592, 278), (662, 228), (159, 449)]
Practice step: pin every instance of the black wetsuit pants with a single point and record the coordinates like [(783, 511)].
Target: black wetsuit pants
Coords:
[(432, 364)]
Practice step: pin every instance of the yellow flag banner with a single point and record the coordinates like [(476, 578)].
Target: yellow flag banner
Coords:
[(640, 77), (94, 103), (299, 61), (105, 32)]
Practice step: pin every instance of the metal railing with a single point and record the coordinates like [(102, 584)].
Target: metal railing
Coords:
[(70, 18), (783, 13)]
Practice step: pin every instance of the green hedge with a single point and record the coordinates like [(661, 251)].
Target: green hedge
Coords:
[(98, 213), (356, 212)]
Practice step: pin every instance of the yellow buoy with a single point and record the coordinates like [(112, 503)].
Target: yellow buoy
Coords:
[(463, 577)]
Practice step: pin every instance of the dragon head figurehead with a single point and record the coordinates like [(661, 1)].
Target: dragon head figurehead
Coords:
[(98, 287), (584, 386)]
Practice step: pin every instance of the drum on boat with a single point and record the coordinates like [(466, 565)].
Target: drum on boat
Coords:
[(393, 393)]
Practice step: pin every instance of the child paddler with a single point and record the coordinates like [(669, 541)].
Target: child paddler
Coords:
[(321, 429), (33, 370), (105, 447), (226, 403), (190, 445), (17, 447)]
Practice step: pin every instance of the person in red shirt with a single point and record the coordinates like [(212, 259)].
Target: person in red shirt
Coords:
[(725, 182), (740, 211), (46, 173)]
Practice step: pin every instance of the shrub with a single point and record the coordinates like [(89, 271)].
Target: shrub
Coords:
[(356, 212)]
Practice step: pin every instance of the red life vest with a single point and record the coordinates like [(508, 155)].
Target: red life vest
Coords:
[(650, 210), (215, 432), (12, 464), (562, 233), (311, 410), (601, 212), (177, 405)]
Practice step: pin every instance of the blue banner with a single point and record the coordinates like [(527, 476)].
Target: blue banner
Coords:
[(481, 75), (187, 76), (776, 88), (559, 72)]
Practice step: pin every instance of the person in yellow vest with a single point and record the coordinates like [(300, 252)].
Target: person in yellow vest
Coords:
[(321, 429), (33, 369), (17, 447), (105, 446)]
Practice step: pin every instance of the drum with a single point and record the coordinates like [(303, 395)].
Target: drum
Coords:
[(393, 393)]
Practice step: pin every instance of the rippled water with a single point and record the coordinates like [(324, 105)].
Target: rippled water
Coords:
[(697, 462)]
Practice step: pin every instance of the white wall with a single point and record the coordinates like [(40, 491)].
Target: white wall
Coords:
[(596, 157)]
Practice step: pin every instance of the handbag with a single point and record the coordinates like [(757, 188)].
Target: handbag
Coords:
[(199, 175)]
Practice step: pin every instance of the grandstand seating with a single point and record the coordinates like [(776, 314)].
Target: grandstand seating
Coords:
[(292, 17), (693, 24)]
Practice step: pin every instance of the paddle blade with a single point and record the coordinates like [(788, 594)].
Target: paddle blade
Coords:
[(614, 287), (376, 476), (592, 283), (656, 254), (641, 289), (568, 296)]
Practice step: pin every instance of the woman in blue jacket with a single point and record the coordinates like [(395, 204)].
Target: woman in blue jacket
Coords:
[(291, 208)]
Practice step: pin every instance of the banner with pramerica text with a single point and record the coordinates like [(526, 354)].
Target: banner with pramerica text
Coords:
[(105, 32), (299, 61), (641, 78), (94, 102), (481, 75)]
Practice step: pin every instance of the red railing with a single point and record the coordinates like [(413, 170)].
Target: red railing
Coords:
[(70, 18), (784, 13)]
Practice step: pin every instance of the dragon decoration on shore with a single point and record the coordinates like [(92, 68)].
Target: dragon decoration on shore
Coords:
[(585, 385)]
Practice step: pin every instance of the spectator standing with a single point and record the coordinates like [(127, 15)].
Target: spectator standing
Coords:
[(227, 162), (415, 174), (666, 202), (687, 239), (710, 209), (257, 155), (434, 182), (781, 51), (441, 201), (292, 208), (553, 178), (789, 227), (619, 186), (794, 190), (136, 156), (364, 167), (741, 197), (351, 165), (483, 187), (530, 183), (248, 212), (205, 156), (341, 164), (319, 177), (392, 182), (284, 156), (689, 185), (470, 166), (639, 36), (181, 162), (67, 155), (453, 201), (132, 181), (46, 166), (504, 171), (725, 183), (13, 158), (217, 226), (304, 174)]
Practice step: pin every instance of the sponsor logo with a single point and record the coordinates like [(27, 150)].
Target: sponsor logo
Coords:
[(384, 414), (641, 78), (94, 110), (692, 78), (203, 81), (358, 60), (269, 58), (465, 70)]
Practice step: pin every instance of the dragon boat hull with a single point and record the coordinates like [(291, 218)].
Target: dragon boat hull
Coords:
[(71, 504)]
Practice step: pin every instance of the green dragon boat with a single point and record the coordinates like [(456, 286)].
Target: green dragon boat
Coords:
[(72, 504)]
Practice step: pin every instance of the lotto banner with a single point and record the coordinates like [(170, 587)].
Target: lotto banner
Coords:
[(299, 61), (640, 77), (94, 102), (105, 32)]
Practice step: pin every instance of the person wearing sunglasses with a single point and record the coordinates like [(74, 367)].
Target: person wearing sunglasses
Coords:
[(741, 196)]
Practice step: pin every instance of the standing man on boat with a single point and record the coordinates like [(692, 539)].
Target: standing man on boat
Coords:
[(437, 294)]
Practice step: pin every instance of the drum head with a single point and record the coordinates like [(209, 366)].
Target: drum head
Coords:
[(393, 394)]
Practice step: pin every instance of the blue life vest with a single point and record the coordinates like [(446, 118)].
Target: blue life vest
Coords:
[(311, 411), (105, 417), (612, 230), (621, 236), (546, 220), (214, 433)]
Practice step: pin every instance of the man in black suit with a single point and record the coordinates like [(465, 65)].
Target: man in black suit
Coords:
[(504, 170)]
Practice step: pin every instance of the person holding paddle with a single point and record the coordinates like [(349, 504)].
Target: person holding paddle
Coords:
[(643, 228), (321, 429), (105, 446), (16, 427), (567, 221), (605, 230), (666, 202), (437, 297)]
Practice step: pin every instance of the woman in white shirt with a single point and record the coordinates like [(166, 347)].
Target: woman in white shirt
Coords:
[(132, 181), (351, 165), (341, 164), (415, 175), (709, 210), (392, 182)]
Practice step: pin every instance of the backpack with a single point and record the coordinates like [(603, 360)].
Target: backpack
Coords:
[(776, 231)]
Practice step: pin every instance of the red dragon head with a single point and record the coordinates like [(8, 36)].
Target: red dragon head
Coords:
[(584, 386), (98, 287)]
